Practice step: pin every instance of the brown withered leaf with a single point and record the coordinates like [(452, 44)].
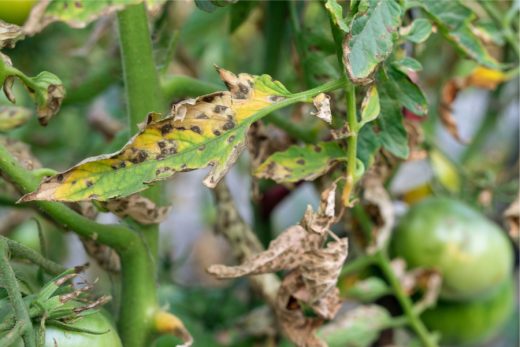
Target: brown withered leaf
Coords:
[(21, 152), (139, 208), (242, 240), (313, 266), (448, 96), (511, 216), (104, 256), (9, 34), (378, 204), (322, 104)]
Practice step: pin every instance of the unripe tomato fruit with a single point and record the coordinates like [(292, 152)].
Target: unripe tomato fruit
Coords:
[(468, 323), (473, 255), (98, 322), (15, 11)]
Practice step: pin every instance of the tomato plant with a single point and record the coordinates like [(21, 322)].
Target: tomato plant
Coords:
[(112, 110)]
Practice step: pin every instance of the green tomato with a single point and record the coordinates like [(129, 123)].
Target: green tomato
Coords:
[(468, 323), (15, 11), (98, 322), (473, 255)]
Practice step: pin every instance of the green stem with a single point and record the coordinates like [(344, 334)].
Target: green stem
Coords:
[(20, 251), (352, 120), (406, 304), (15, 298), (144, 95)]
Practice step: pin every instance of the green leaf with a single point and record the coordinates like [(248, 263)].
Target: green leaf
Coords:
[(407, 64), (405, 91), (239, 13), (212, 5), (299, 163), (77, 13), (371, 38), (359, 327), (12, 117), (336, 13), (392, 134), (370, 107), (207, 131), (418, 31), (454, 22), (368, 145), (368, 290)]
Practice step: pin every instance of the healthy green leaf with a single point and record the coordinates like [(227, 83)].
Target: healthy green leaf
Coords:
[(454, 22), (212, 5), (77, 13), (371, 38), (405, 91), (370, 107), (12, 117), (407, 64), (418, 31), (336, 12), (368, 290), (368, 145), (301, 162)]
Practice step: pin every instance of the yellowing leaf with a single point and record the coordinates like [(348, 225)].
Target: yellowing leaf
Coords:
[(322, 104), (301, 162), (370, 107), (12, 117), (209, 130), (445, 171)]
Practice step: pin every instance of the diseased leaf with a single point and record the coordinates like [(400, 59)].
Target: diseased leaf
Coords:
[(512, 217), (448, 96), (370, 107), (378, 204), (21, 152), (77, 13), (301, 162), (454, 22), (322, 104), (9, 34), (392, 133), (407, 64), (207, 131), (404, 90), (371, 38), (13, 116), (46, 89), (418, 31), (336, 12), (314, 267), (139, 208)]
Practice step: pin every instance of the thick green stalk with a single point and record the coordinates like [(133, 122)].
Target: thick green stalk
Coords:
[(15, 298), (144, 95)]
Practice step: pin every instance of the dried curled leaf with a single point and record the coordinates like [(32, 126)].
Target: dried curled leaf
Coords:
[(139, 208), (168, 323), (512, 216), (448, 95), (9, 34), (13, 116), (46, 89), (207, 131), (378, 203), (21, 152), (322, 104), (302, 162), (314, 268), (77, 13)]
